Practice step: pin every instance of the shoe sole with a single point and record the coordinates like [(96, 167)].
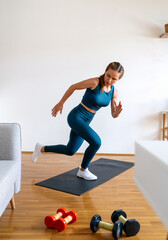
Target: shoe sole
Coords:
[(86, 178)]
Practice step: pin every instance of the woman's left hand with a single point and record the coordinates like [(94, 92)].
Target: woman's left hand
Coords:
[(118, 108)]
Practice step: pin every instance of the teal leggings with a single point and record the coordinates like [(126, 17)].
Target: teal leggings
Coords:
[(79, 119)]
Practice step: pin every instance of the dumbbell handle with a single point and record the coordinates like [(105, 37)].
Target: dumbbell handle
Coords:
[(104, 225), (68, 219), (122, 219), (58, 215)]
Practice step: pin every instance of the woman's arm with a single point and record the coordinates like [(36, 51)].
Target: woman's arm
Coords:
[(115, 109), (90, 83)]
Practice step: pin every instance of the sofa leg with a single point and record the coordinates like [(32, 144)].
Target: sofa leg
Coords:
[(12, 202)]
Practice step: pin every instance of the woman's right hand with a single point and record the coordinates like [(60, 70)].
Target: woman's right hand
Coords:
[(56, 109)]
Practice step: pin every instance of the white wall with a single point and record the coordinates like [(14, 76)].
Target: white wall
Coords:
[(47, 45)]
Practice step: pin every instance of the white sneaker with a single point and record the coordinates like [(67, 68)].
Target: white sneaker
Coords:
[(37, 152), (86, 174)]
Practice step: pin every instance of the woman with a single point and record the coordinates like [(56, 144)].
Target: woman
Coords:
[(99, 93)]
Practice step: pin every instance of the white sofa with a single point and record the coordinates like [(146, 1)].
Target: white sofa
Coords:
[(10, 163), (151, 175)]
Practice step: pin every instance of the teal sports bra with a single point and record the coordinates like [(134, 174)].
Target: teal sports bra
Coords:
[(95, 99)]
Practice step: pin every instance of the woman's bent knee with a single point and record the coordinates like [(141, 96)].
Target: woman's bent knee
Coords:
[(97, 143), (70, 152)]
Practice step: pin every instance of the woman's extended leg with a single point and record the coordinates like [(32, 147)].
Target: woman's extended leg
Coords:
[(75, 141)]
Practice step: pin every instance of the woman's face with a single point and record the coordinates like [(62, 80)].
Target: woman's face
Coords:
[(111, 77)]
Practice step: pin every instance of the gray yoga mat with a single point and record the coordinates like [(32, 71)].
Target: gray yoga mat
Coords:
[(103, 168)]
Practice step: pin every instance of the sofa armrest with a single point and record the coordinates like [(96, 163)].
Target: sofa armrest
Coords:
[(10, 141)]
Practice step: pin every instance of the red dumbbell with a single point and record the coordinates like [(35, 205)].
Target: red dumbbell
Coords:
[(61, 223), (50, 220)]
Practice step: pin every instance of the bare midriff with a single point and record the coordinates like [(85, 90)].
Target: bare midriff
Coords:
[(90, 110)]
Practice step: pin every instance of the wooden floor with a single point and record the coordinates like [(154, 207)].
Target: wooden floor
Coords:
[(33, 203)]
